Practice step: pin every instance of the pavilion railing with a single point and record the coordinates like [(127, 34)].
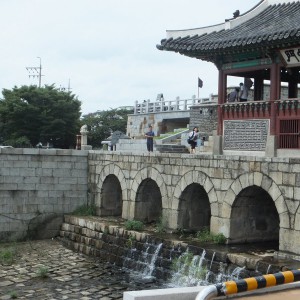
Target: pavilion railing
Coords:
[(287, 115), (261, 108), (162, 105)]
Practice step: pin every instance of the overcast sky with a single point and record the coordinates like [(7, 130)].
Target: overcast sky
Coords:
[(106, 49)]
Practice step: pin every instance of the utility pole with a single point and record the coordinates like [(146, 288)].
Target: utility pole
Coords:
[(36, 72), (63, 89)]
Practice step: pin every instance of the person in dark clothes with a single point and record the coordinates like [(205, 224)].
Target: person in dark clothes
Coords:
[(150, 135)]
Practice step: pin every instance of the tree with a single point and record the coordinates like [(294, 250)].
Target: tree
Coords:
[(35, 115), (102, 124)]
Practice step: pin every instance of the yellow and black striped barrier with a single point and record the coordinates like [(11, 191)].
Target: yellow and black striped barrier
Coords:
[(249, 284), (253, 283)]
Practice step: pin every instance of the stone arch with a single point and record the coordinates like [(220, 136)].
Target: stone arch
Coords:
[(111, 191), (195, 201), (194, 208), (111, 197), (256, 198), (144, 181), (297, 219), (148, 202)]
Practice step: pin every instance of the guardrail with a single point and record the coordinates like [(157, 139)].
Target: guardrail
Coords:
[(248, 284), (171, 105)]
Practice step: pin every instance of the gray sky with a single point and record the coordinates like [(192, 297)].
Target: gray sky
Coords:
[(107, 48)]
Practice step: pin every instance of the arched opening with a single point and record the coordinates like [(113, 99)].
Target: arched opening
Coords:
[(148, 206), (254, 217), (194, 208), (111, 197)]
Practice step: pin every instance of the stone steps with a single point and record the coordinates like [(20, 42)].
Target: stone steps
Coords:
[(172, 148)]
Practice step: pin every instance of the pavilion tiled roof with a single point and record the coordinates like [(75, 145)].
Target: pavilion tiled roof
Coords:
[(262, 28)]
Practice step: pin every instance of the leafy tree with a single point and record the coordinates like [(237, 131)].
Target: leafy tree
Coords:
[(29, 115), (102, 124)]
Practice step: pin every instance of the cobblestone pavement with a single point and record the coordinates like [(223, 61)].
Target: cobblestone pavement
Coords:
[(47, 270)]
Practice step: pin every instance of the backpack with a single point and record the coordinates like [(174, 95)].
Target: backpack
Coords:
[(190, 138)]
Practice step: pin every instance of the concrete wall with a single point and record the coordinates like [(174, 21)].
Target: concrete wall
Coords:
[(229, 182), (38, 186), (137, 125)]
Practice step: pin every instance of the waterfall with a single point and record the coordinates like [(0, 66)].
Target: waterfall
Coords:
[(212, 259), (189, 270), (235, 275), (142, 263), (149, 269)]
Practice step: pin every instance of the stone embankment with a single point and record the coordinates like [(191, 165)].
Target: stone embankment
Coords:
[(109, 240)]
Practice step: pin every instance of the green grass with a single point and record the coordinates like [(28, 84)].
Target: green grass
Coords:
[(129, 242), (7, 255), (134, 225), (205, 236), (13, 295), (42, 272), (85, 210), (161, 225)]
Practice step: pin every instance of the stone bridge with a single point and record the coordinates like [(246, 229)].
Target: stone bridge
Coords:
[(248, 199)]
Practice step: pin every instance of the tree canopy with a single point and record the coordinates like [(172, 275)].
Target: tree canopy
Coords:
[(29, 115), (102, 124)]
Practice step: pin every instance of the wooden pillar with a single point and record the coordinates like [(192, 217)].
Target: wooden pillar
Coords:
[(274, 94), (258, 87), (293, 84), (222, 84)]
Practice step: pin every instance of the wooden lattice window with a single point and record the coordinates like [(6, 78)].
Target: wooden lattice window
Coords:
[(289, 134)]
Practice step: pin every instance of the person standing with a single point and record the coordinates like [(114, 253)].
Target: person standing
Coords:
[(245, 87), (193, 136), (234, 95), (150, 135)]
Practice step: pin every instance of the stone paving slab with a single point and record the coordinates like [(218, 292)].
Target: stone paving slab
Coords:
[(68, 275)]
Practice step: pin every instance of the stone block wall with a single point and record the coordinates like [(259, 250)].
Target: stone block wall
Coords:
[(205, 117), (38, 186), (135, 250), (224, 178)]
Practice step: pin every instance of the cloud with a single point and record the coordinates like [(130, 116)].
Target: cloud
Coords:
[(106, 49)]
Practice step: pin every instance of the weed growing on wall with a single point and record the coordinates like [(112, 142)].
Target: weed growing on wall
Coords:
[(161, 225), (129, 242)]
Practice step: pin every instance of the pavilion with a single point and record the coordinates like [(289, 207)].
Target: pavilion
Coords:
[(263, 45)]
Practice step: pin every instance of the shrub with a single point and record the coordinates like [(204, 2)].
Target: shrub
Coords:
[(42, 272), (85, 210), (7, 255), (161, 225), (13, 295), (134, 225), (130, 240), (219, 238), (204, 235)]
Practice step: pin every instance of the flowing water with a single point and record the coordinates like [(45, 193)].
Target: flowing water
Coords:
[(185, 267)]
